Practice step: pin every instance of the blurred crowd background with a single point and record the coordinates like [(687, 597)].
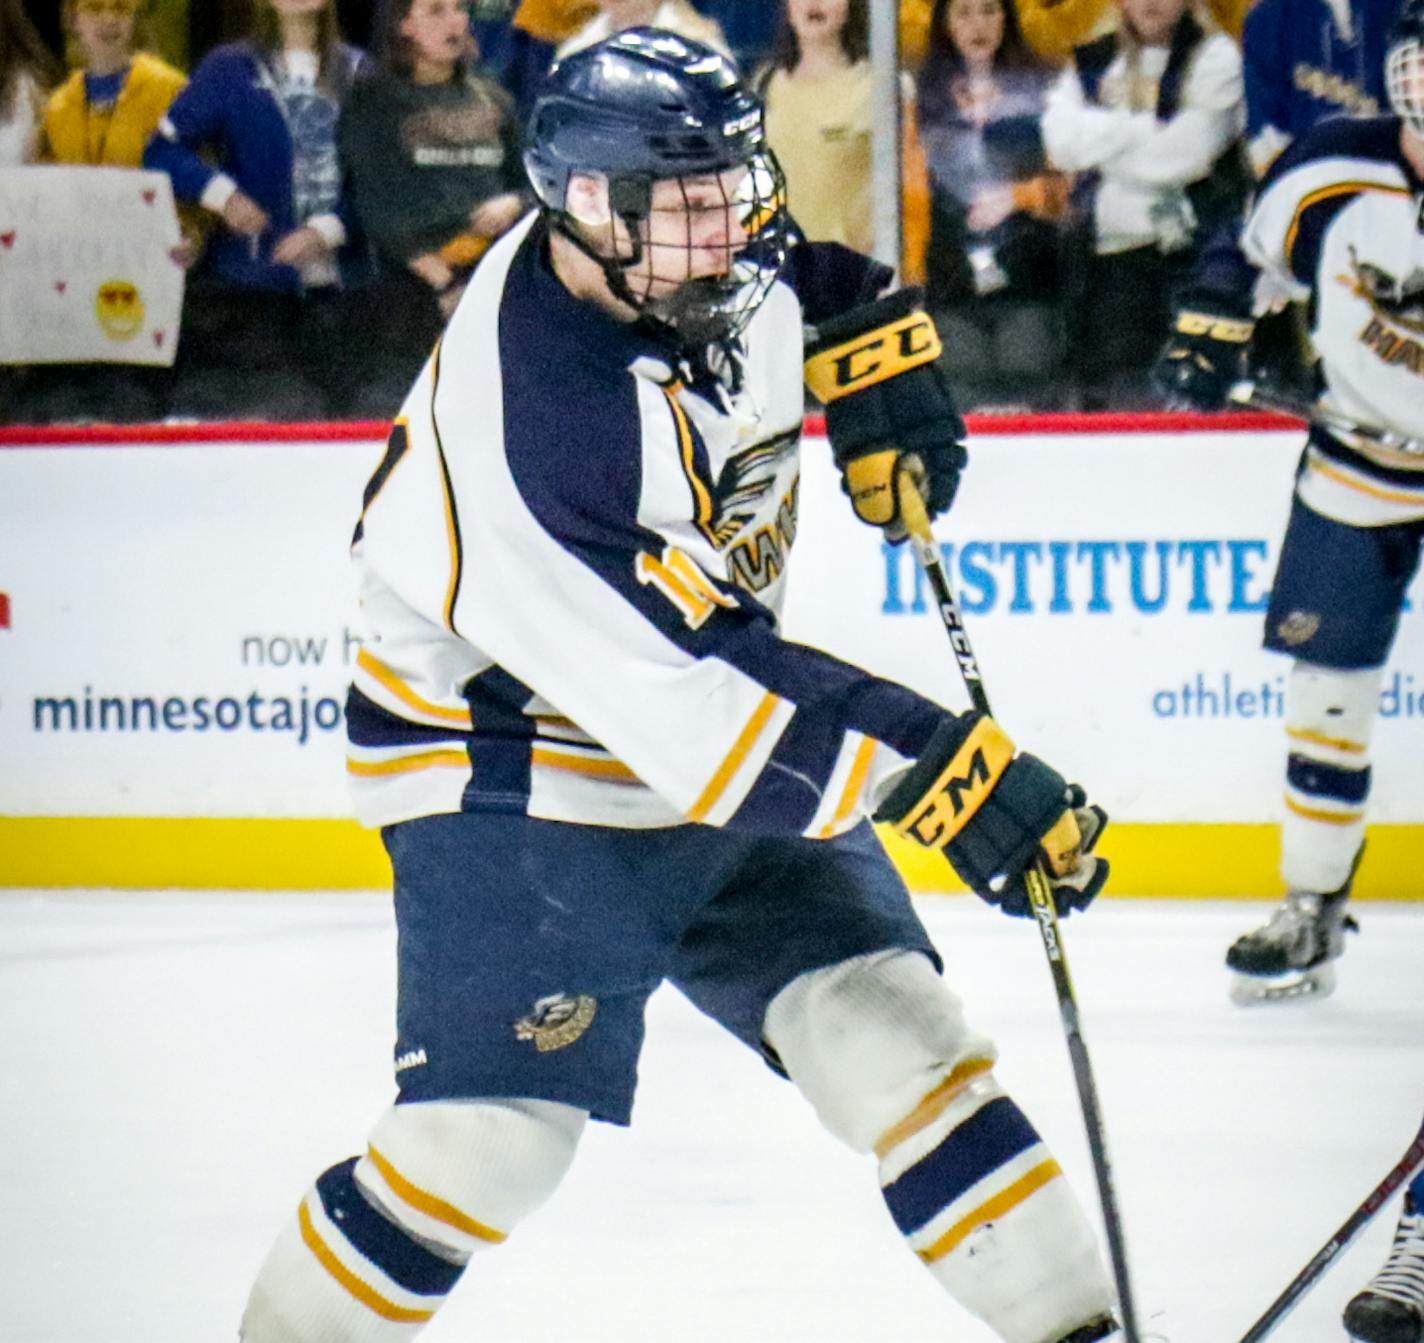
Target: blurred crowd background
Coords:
[(341, 165)]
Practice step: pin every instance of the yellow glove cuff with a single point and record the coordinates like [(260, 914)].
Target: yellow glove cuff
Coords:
[(872, 357), (950, 803), (1233, 329)]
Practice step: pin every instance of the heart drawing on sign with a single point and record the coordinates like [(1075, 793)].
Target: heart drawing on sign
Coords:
[(7, 240), (150, 196), (158, 338), (60, 286)]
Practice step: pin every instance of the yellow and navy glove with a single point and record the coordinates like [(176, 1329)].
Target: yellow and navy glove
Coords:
[(993, 813), (876, 371), (1206, 353)]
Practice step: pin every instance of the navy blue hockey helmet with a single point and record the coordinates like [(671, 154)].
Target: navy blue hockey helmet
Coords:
[(645, 106), (1404, 65)]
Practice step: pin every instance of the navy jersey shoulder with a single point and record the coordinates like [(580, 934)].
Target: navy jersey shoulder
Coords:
[(1371, 138)]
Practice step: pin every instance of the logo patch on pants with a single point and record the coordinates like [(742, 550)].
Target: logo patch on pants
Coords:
[(557, 1021)]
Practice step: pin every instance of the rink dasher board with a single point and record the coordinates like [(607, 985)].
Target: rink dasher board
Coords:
[(178, 623)]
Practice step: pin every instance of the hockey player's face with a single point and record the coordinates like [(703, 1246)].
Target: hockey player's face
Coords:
[(694, 230)]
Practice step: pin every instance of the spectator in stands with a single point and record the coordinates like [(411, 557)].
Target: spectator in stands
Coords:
[(266, 326), (517, 38), (749, 27), (992, 268), (677, 15), (1308, 59), (432, 157), (102, 116), (817, 89), (1055, 28), (27, 72), (1151, 117), (817, 84)]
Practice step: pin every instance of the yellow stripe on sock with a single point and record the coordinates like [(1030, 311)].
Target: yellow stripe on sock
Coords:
[(363, 1292), (931, 1107), (432, 1206), (997, 1206)]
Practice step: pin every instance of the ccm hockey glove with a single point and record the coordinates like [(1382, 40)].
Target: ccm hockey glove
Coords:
[(993, 813), (1206, 352), (875, 369)]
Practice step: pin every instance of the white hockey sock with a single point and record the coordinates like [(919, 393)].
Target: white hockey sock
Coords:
[(1329, 718), (982, 1202), (880, 1047), (380, 1241)]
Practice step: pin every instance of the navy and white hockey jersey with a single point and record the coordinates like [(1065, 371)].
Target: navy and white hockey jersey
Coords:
[(1341, 214), (571, 561)]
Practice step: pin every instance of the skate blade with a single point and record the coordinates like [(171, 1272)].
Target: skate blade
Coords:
[(1253, 990)]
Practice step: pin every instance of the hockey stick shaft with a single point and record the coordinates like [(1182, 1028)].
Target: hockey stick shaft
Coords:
[(1282, 1306), (917, 523), (1248, 393)]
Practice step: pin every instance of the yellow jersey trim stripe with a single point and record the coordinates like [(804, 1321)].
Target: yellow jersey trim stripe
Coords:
[(363, 1292), (1329, 817), (452, 522), (382, 673), (701, 495), (432, 1207), (1320, 739), (860, 767), (593, 766), (997, 1206), (1353, 482), (1323, 194), (932, 1106), (406, 764), (756, 725)]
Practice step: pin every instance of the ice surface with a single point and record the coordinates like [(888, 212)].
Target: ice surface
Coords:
[(178, 1067)]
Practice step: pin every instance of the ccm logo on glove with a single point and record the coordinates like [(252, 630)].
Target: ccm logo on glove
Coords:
[(962, 787)]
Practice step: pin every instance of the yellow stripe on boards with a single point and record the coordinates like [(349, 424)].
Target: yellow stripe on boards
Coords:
[(735, 756), (997, 1206), (432, 1207), (245, 853), (363, 1292)]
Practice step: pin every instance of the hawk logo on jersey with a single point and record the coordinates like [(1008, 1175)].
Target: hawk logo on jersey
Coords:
[(745, 482), (1396, 300), (557, 1021)]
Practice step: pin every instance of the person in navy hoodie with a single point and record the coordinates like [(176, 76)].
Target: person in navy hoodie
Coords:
[(253, 140)]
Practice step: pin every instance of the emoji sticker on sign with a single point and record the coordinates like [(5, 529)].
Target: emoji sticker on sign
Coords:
[(119, 309)]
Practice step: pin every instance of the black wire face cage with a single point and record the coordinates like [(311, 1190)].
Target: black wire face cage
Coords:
[(1404, 79), (702, 260)]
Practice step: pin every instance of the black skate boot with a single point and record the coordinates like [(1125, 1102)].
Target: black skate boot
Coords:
[(1094, 1331), (1291, 957), (1391, 1308)]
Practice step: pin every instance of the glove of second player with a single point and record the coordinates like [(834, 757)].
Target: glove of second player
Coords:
[(875, 370), (1206, 351), (994, 813)]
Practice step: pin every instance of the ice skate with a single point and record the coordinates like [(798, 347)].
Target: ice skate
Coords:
[(1391, 1308), (1094, 1331), (1293, 955)]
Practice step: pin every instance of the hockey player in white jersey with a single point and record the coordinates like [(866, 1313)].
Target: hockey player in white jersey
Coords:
[(1338, 217), (598, 765)]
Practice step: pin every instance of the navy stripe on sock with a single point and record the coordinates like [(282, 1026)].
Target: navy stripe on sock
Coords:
[(381, 1240), (995, 1134), (1322, 780)]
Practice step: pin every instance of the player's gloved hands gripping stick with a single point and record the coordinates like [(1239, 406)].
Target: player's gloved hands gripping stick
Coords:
[(993, 813), (1206, 353), (888, 405)]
